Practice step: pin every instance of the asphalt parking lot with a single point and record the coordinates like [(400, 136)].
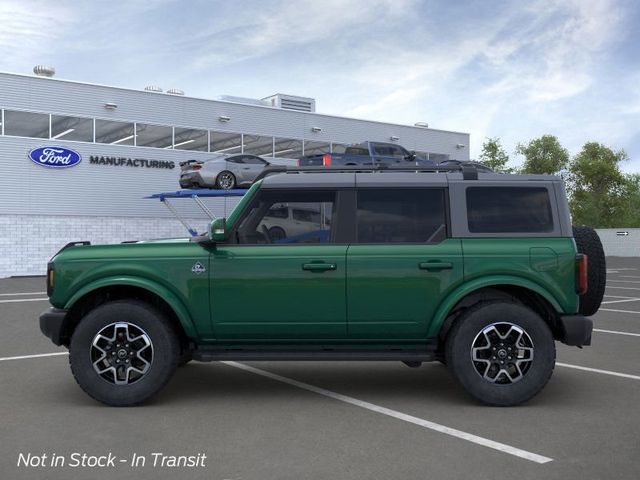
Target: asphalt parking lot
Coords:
[(313, 420)]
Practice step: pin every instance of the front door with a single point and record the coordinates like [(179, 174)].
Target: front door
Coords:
[(402, 263), (281, 276)]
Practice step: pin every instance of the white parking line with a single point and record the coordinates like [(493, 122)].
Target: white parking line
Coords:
[(485, 442), (17, 294), (616, 332), (23, 357), (18, 300), (629, 276), (617, 311), (628, 299), (597, 370)]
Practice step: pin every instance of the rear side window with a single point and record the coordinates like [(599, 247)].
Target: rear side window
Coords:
[(509, 210), (401, 216)]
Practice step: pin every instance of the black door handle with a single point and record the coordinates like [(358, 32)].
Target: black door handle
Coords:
[(319, 267), (435, 266)]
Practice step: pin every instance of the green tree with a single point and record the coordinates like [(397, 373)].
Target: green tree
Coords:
[(599, 190), (543, 155), (494, 156), (631, 215)]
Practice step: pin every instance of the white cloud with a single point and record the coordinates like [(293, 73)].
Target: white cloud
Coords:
[(28, 29)]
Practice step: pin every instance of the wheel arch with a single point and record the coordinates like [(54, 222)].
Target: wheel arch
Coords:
[(121, 288), (519, 290)]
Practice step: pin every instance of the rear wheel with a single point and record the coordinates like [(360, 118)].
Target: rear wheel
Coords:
[(502, 353), (122, 353), (225, 180), (588, 242)]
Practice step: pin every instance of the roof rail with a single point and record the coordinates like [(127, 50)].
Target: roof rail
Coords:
[(469, 172)]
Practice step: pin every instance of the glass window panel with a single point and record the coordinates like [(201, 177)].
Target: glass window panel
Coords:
[(288, 217), (316, 148), (191, 139), (115, 133), (339, 148), (224, 142), (258, 145), (26, 124), (287, 148), (157, 136), (71, 128), (401, 216), (509, 210)]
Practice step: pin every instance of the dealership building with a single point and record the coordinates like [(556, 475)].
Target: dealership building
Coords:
[(127, 144)]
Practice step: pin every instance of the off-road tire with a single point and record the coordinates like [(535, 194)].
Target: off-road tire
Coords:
[(588, 242), (165, 345), (468, 328)]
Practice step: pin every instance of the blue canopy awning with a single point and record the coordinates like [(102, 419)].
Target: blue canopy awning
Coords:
[(198, 192)]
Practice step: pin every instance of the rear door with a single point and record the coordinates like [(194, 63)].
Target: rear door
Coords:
[(402, 263)]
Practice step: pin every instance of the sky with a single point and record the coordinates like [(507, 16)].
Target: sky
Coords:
[(513, 70)]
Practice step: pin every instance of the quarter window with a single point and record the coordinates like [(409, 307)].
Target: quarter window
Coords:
[(401, 216), (509, 210)]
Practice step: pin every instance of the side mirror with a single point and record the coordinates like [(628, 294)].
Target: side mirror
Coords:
[(218, 231)]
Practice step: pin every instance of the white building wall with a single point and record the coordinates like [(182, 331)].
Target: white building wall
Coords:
[(616, 245), (27, 242)]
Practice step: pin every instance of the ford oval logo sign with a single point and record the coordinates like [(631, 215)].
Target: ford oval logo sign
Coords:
[(55, 157)]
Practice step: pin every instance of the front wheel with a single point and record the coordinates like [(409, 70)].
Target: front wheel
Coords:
[(503, 354), (123, 352)]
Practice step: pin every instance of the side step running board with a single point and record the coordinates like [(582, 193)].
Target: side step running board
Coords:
[(314, 355)]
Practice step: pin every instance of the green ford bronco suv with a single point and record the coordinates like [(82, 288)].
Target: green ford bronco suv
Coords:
[(479, 271)]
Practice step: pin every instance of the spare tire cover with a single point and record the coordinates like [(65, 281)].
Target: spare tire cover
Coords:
[(588, 242)]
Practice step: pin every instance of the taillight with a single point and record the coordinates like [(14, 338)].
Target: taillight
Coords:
[(298, 162), (326, 160), (196, 167), (582, 284), (51, 278)]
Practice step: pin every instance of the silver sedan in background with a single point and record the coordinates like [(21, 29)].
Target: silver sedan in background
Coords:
[(223, 171)]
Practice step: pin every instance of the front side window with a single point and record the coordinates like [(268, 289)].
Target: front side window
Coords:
[(251, 160), (509, 210), (390, 151), (401, 216), (288, 218)]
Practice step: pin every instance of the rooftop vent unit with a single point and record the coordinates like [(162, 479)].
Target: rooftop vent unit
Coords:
[(175, 91), (44, 71), (153, 88), (290, 102)]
